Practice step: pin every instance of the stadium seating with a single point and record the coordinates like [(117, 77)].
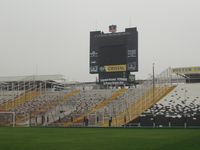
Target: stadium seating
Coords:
[(84, 103), (127, 109), (7, 99), (37, 107), (179, 108), (162, 103)]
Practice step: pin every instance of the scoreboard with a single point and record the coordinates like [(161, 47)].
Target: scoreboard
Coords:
[(114, 55)]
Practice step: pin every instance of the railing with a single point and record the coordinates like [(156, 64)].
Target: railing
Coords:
[(45, 108), (104, 103), (135, 109), (21, 99), (133, 102)]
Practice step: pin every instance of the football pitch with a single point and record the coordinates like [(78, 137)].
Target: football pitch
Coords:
[(98, 139)]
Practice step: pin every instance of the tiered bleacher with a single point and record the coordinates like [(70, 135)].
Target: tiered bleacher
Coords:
[(84, 102), (40, 103), (170, 100), (179, 108), (6, 96), (27, 95)]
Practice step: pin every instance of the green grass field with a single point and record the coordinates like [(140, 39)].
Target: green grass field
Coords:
[(98, 139)]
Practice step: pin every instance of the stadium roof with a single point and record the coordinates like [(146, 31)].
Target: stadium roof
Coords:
[(56, 77)]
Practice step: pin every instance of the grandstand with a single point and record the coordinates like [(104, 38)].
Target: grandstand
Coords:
[(111, 110), (179, 108), (28, 96), (169, 100)]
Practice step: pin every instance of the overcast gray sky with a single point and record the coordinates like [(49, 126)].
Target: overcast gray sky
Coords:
[(52, 36)]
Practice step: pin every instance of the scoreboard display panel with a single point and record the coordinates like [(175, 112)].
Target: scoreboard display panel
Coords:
[(113, 53)]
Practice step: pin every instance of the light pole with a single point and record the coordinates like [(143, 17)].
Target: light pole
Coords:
[(153, 81)]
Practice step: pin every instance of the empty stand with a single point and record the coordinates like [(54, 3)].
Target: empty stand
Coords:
[(84, 103), (40, 109), (180, 108)]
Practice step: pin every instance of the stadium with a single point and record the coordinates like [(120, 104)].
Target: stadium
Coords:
[(114, 104), (116, 99), (172, 100)]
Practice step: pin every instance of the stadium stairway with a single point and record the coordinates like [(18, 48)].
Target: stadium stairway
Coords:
[(114, 96), (21, 99), (135, 109), (43, 109)]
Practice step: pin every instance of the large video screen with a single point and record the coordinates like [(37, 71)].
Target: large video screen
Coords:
[(112, 55)]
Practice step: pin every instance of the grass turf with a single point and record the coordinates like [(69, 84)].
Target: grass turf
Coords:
[(98, 139)]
